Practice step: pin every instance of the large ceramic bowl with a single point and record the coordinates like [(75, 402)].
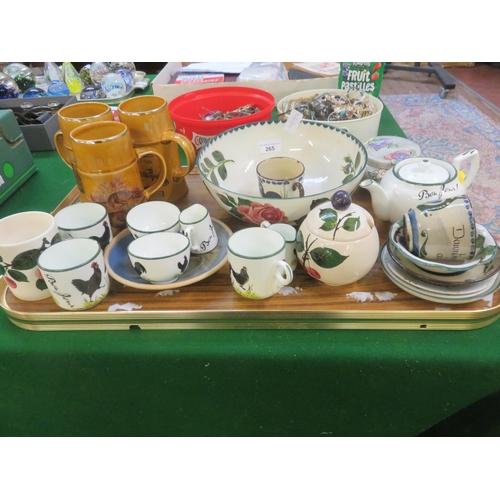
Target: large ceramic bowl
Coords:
[(333, 160), (364, 129)]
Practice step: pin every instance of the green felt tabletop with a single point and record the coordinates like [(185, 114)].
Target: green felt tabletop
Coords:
[(232, 382)]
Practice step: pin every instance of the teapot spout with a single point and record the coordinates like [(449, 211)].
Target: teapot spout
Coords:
[(380, 199)]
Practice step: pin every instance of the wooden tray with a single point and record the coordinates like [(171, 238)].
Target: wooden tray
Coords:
[(213, 303)]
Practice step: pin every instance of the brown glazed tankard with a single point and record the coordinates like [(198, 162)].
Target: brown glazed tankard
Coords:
[(148, 119), (108, 170)]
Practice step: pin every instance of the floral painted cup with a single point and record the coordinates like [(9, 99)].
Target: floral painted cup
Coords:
[(23, 237)]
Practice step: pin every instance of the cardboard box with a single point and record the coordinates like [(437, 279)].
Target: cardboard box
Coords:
[(38, 137), (16, 160), (278, 88)]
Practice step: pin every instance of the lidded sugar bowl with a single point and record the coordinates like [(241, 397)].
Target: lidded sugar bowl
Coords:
[(338, 242)]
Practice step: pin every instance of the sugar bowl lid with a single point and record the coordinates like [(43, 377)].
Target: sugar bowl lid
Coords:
[(385, 151), (339, 219)]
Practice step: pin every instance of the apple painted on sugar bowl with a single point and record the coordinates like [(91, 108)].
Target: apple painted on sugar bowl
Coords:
[(338, 243)]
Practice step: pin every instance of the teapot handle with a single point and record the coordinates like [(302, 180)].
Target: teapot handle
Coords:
[(473, 156)]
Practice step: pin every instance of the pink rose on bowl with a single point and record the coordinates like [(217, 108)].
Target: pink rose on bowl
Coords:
[(258, 212)]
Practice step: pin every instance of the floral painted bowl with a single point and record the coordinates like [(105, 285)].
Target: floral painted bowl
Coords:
[(333, 159)]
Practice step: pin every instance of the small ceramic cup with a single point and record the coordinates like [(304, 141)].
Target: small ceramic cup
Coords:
[(153, 217), (290, 234), (441, 230), (197, 225), (281, 177), (23, 237), (160, 257), (85, 220), (257, 265), (75, 273)]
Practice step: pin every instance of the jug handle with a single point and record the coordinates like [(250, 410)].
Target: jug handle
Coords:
[(61, 148), (163, 171), (189, 151), (473, 156)]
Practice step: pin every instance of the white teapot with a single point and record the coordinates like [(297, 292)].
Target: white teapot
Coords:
[(415, 181), (338, 243)]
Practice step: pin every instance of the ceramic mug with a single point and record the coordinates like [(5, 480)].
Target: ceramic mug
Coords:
[(153, 216), (290, 234), (23, 237), (160, 257), (71, 117), (85, 220), (441, 230), (75, 273), (281, 177), (107, 165), (257, 265), (197, 225), (151, 126)]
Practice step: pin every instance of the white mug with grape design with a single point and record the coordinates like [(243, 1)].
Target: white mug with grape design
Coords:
[(23, 237)]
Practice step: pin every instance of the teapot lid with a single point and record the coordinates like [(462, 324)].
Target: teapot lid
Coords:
[(425, 171), (340, 221)]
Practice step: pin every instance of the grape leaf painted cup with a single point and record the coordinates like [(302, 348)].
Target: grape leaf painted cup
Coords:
[(23, 237)]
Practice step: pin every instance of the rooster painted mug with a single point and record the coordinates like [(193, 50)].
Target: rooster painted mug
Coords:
[(85, 220), (107, 166), (75, 273), (257, 265), (148, 119)]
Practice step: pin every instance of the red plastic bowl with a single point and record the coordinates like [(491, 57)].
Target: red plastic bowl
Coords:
[(186, 109)]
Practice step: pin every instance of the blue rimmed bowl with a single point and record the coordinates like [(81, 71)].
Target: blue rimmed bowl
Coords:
[(333, 159), (486, 251)]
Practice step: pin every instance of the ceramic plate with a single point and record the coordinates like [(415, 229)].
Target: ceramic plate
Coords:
[(407, 283), (479, 273), (461, 290), (199, 268)]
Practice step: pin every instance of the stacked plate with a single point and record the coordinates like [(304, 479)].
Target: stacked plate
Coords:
[(436, 282)]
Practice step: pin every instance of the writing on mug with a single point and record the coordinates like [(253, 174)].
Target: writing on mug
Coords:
[(65, 296)]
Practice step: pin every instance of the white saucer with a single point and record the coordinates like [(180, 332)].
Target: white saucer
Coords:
[(479, 273)]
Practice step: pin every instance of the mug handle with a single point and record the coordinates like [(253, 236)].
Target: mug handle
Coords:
[(281, 268), (473, 156), (61, 148), (187, 147), (163, 171), (300, 187), (188, 232)]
